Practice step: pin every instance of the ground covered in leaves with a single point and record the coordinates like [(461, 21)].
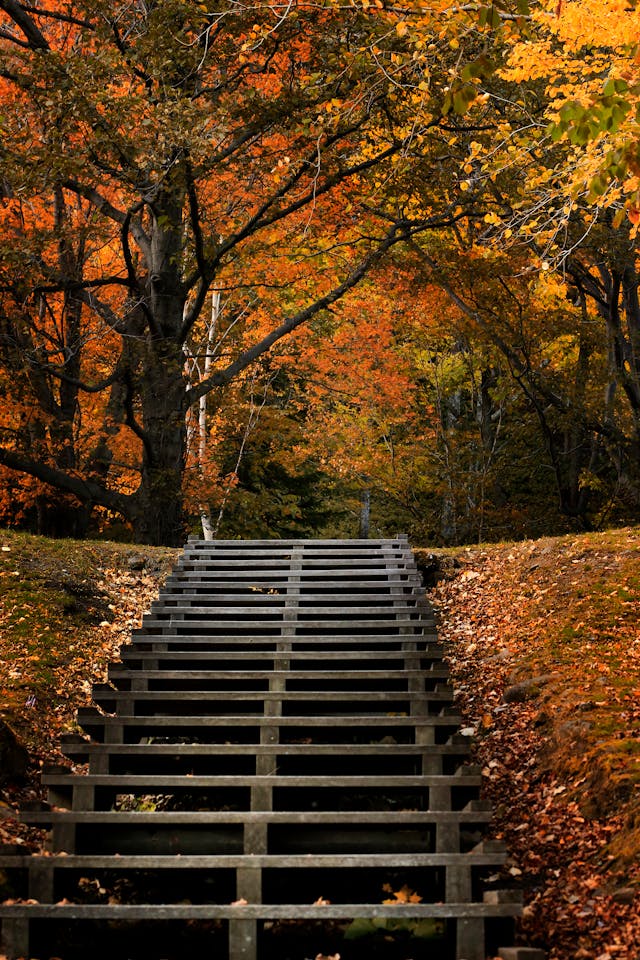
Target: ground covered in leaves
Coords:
[(543, 640), (65, 609)]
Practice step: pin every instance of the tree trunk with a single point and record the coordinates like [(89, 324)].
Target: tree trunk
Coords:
[(365, 513), (159, 508)]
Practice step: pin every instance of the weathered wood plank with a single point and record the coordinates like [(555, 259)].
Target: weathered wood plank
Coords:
[(317, 615)]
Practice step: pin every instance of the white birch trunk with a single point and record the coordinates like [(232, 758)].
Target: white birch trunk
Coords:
[(197, 423)]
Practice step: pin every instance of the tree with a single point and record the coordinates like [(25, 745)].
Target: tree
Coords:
[(586, 54), (184, 147), (550, 165), (358, 398)]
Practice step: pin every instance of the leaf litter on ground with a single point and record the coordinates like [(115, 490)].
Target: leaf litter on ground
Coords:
[(66, 607), (543, 644)]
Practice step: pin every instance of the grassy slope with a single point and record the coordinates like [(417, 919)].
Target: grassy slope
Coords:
[(563, 767), (65, 608)]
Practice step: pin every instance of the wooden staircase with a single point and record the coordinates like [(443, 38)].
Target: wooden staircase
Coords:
[(274, 757)]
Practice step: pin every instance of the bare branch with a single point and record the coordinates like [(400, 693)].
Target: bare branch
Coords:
[(112, 212), (6, 35), (56, 15)]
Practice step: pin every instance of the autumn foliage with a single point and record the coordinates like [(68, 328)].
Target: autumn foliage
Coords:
[(256, 264)]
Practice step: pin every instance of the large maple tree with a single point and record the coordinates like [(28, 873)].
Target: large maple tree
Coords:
[(155, 154)]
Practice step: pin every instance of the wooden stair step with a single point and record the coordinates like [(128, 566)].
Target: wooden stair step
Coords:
[(363, 642), (271, 817), (216, 579), (299, 628), (378, 696), (263, 911), (85, 749), (453, 719), (154, 784), (265, 604), (122, 673), (312, 564), (316, 759), (132, 652), (254, 861), (192, 590)]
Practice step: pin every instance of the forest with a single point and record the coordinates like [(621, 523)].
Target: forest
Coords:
[(263, 263)]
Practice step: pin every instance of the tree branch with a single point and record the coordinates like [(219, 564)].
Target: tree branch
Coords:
[(55, 15), (130, 417), (6, 35), (260, 219), (396, 234), (87, 491), (59, 374), (112, 212), (25, 24)]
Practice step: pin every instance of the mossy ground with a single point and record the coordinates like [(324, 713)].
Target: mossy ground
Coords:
[(65, 608)]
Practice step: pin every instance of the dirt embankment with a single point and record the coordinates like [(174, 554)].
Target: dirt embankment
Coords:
[(543, 640)]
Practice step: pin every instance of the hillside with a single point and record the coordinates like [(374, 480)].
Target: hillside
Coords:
[(544, 648), (65, 608)]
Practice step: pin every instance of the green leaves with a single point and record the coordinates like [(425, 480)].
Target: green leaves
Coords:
[(581, 123), (489, 16), (479, 69), (459, 98), (492, 15), (424, 929), (464, 90)]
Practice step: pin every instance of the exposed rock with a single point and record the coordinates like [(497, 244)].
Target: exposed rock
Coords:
[(435, 567), (573, 731), (526, 689), (503, 654), (136, 562), (14, 758)]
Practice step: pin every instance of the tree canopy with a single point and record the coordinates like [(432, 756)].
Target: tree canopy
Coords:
[(391, 247)]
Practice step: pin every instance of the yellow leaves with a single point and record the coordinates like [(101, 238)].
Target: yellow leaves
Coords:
[(402, 28), (586, 51), (610, 23)]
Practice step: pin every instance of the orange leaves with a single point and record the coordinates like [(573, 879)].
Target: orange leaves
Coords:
[(404, 895), (561, 767)]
